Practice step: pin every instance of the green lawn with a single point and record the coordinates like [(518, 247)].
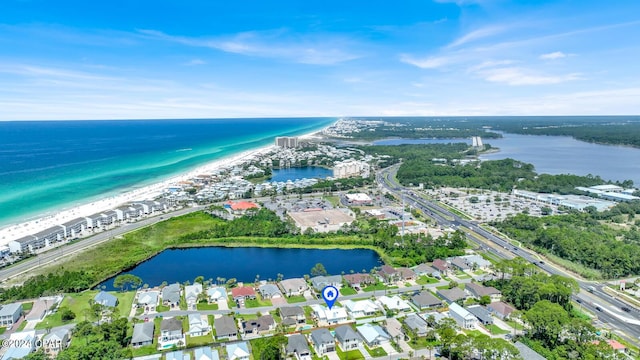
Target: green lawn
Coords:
[(296, 299), (258, 302), (349, 355), (376, 352), (420, 343), (78, 303), (347, 291), (424, 280), (125, 301), (27, 306), (495, 330), (194, 341), (143, 351), (205, 306), (374, 287), (22, 325), (162, 308), (463, 276), (515, 325)]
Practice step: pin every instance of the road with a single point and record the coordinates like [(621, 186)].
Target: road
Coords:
[(60, 252), (625, 324)]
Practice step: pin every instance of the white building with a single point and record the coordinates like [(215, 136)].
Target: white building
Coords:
[(287, 142), (335, 315), (394, 303), (362, 308), (465, 319), (350, 168)]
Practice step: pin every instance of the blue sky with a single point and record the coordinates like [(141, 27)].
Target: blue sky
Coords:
[(207, 59)]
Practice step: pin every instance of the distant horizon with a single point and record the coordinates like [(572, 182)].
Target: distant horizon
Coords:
[(327, 117)]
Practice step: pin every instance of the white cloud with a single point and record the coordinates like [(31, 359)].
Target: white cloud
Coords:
[(519, 76), (195, 62), (553, 56), (311, 49), (477, 35), (431, 62)]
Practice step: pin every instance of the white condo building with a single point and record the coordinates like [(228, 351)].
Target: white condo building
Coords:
[(350, 168)]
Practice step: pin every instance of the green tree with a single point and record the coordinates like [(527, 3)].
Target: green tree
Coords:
[(547, 321), (125, 281), (318, 270), (485, 300)]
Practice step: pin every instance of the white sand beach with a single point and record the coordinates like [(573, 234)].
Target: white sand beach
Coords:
[(149, 192), (16, 231)]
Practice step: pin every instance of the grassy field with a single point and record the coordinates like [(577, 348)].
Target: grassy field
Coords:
[(376, 352), (424, 280), (258, 302), (349, 355), (374, 287), (205, 306), (143, 351), (296, 299), (495, 330), (193, 341), (347, 291), (27, 306)]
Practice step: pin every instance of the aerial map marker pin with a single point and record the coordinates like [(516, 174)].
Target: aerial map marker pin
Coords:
[(330, 294)]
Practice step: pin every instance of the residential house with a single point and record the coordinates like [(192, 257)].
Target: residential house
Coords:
[(406, 274), (423, 269), (225, 328), (459, 264), (19, 345), (199, 324), (440, 265), (394, 303), (9, 314), (482, 314), (215, 294), (373, 335), (242, 293), (105, 299), (323, 341), (148, 300), (297, 345), (269, 291), (478, 290), (171, 295), (347, 338), (320, 282), (205, 353), (171, 333), (332, 316), (238, 351), (416, 324), (500, 309), (527, 352), (177, 355), (292, 315), (425, 300), (452, 295), (362, 308), (259, 326), (359, 280), (388, 274), (394, 328), (56, 341), (295, 286), (476, 262), (465, 319), (142, 334), (191, 293)]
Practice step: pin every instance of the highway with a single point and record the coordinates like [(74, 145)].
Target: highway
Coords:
[(606, 307), (59, 252)]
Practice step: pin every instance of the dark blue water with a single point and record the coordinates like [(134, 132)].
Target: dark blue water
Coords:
[(421, 141), (48, 165), (180, 265), (566, 155), (309, 172)]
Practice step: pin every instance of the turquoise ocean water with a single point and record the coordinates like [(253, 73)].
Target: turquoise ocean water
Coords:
[(46, 166)]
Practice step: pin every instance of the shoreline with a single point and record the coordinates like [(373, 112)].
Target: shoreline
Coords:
[(32, 226)]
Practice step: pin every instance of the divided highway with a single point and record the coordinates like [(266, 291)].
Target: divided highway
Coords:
[(591, 297)]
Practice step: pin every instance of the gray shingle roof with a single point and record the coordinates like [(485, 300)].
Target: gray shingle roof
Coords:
[(297, 344), (321, 336), (143, 332), (225, 326), (346, 333)]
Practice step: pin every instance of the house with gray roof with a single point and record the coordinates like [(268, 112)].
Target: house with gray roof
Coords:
[(459, 263), (292, 315), (320, 282), (270, 291), (171, 295), (452, 295), (500, 309), (225, 328), (478, 290), (216, 294), (142, 334), (105, 299), (464, 318), (323, 341), (416, 324), (527, 352), (56, 341), (259, 326), (423, 269), (148, 300), (373, 335), (177, 355), (425, 300), (297, 345), (171, 333), (295, 286), (359, 280), (9, 314), (347, 338), (482, 314)]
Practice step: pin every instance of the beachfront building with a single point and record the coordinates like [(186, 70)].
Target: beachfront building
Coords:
[(287, 142), (51, 235), (26, 244), (73, 228)]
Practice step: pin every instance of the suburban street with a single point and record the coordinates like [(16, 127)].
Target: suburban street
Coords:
[(610, 314)]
